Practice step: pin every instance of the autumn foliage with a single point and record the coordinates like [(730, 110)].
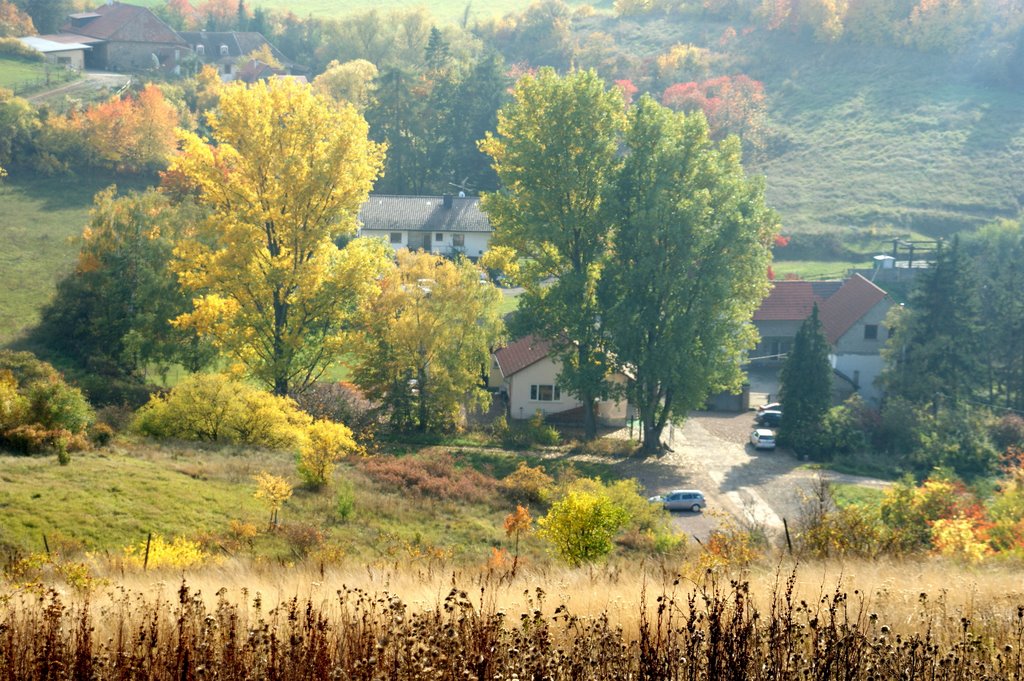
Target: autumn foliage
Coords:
[(732, 105)]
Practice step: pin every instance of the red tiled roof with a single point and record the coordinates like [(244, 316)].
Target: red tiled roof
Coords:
[(851, 302), (516, 356), (123, 23), (794, 300)]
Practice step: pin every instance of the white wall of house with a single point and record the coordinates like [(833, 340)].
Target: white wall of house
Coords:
[(474, 244), (541, 373), (71, 59), (857, 353), (863, 370)]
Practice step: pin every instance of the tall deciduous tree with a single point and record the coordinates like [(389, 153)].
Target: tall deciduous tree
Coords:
[(426, 338), (935, 353), (806, 391), (111, 315), (689, 265), (284, 179), (556, 153)]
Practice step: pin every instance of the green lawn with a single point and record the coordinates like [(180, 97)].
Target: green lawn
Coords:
[(40, 219), (15, 72)]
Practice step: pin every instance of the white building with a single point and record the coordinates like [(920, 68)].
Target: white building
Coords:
[(446, 224), (527, 373)]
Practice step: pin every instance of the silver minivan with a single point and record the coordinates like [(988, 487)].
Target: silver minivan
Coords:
[(681, 500)]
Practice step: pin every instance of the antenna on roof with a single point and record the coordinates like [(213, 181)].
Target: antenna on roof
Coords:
[(463, 186)]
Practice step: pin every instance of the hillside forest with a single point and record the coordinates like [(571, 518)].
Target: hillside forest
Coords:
[(221, 372)]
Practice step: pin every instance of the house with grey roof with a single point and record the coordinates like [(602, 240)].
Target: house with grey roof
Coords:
[(448, 225), (226, 51)]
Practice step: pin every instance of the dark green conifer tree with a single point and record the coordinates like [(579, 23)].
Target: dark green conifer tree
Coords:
[(806, 392)]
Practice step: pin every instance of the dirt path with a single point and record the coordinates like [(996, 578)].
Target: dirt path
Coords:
[(91, 82)]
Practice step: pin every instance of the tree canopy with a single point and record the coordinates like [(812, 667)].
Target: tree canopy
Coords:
[(556, 153), (426, 339), (806, 391), (688, 266), (283, 178)]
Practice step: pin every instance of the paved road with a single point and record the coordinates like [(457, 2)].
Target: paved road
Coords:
[(91, 82), (710, 453)]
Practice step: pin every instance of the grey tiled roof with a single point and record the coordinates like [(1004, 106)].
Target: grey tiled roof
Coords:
[(239, 44), (388, 213)]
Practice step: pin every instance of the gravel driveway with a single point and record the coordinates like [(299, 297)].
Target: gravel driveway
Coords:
[(710, 453)]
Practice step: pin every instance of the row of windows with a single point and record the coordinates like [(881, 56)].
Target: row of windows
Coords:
[(458, 240), (545, 393)]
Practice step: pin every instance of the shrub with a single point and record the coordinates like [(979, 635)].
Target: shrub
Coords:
[(326, 444), (341, 402), (345, 501), (434, 476), (180, 553), (58, 406), (581, 525), (527, 485), (12, 47), (1007, 431), (101, 434), (215, 408)]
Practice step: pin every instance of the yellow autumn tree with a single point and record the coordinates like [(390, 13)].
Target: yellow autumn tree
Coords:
[(352, 82), (426, 338), (283, 176)]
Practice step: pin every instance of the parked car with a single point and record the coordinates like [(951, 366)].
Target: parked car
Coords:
[(770, 418), (681, 500), (762, 438), (771, 406)]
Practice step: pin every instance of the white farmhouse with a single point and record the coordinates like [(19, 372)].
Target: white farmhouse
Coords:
[(448, 225)]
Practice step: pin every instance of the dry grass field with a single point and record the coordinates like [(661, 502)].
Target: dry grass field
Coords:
[(899, 620)]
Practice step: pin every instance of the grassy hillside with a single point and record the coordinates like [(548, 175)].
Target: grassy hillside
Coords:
[(111, 498), (862, 136), (39, 222)]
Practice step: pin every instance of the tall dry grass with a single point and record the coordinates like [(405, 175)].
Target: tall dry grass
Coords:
[(898, 620)]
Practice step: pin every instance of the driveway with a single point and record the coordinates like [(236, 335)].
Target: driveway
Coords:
[(709, 452)]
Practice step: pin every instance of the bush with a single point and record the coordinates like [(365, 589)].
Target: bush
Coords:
[(340, 402), (581, 525), (526, 485), (1008, 431), (101, 434), (178, 554), (345, 503), (39, 412), (215, 408), (434, 476), (326, 444)]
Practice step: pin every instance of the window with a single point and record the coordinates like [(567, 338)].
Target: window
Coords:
[(396, 237), (870, 331), (438, 237), (545, 393), (458, 240)]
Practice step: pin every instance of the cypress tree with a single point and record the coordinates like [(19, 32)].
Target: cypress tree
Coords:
[(806, 392)]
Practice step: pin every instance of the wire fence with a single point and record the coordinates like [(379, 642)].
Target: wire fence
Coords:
[(45, 80)]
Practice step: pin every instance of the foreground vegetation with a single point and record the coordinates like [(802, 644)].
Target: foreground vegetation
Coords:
[(928, 622)]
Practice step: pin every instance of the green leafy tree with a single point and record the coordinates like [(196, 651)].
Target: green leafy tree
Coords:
[(284, 180), (556, 153), (806, 391), (424, 339), (110, 316), (933, 359), (689, 264)]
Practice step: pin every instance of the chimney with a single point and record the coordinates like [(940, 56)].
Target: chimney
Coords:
[(448, 200)]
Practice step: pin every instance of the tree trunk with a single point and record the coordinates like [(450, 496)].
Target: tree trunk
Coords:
[(589, 418)]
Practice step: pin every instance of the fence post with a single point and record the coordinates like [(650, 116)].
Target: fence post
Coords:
[(145, 561)]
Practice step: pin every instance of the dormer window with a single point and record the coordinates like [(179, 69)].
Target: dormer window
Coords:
[(201, 50), (223, 50)]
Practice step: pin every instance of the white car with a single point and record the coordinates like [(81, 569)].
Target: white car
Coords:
[(762, 438), (681, 500)]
